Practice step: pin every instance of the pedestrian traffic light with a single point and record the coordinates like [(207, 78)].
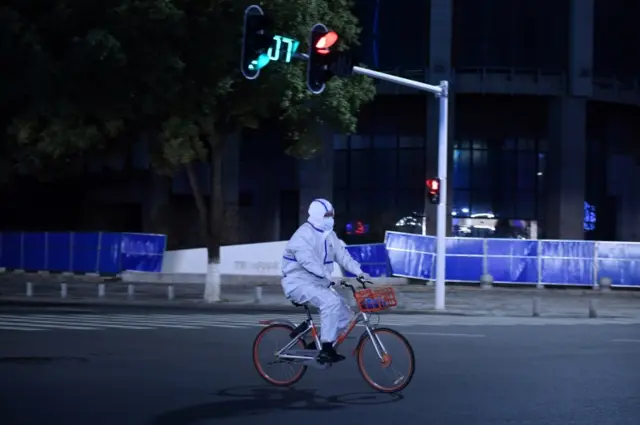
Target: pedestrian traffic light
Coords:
[(256, 39), (433, 190)]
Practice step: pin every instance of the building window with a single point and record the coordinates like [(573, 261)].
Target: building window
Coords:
[(589, 217), (497, 177)]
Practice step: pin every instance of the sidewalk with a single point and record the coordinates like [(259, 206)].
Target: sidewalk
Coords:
[(412, 299)]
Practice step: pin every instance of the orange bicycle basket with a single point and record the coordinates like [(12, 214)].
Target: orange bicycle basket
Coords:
[(371, 300)]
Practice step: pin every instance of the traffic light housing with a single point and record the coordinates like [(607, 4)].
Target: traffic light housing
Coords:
[(324, 62), (256, 39), (317, 71), (433, 190)]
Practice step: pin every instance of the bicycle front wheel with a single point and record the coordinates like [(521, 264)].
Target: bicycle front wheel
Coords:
[(388, 352), (274, 370)]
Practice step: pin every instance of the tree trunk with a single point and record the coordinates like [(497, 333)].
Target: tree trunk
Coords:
[(208, 233), (216, 210)]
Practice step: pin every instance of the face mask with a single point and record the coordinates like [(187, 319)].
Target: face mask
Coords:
[(327, 223)]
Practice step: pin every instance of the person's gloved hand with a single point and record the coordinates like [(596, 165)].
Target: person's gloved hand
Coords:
[(364, 276)]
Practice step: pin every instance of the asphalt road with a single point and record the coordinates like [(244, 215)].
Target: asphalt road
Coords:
[(475, 374)]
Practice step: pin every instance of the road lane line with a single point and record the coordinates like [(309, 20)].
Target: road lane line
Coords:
[(637, 341), (45, 324), (106, 323), (164, 322), (14, 327), (444, 334), (101, 323), (143, 322)]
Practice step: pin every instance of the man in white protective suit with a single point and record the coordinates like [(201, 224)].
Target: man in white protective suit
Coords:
[(307, 266)]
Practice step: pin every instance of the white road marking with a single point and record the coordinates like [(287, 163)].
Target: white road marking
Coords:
[(104, 323), (46, 324), (12, 327), (637, 341)]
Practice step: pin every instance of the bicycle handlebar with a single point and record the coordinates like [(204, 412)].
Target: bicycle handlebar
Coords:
[(361, 281)]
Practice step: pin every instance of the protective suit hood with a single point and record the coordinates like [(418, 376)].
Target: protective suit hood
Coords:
[(317, 211)]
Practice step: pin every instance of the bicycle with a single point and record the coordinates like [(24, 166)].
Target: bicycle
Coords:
[(297, 352)]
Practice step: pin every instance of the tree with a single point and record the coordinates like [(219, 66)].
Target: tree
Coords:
[(105, 70)]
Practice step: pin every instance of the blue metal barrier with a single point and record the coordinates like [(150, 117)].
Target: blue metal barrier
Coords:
[(372, 258), (516, 261), (411, 255), (78, 252)]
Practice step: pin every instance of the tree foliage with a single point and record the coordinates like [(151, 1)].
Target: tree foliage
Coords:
[(85, 75)]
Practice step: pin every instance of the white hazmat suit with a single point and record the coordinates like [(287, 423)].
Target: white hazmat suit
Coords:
[(307, 266)]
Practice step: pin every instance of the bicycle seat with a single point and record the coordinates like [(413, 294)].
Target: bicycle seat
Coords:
[(298, 305)]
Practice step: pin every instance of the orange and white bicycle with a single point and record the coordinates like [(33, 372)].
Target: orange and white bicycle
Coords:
[(295, 355)]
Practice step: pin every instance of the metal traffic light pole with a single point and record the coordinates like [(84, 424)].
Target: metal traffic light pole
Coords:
[(442, 92)]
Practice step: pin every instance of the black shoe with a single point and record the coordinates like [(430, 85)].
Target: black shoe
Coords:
[(328, 354)]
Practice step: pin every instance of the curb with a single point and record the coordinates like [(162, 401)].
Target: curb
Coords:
[(233, 308), (197, 306)]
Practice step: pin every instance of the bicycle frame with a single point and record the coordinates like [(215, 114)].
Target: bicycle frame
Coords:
[(308, 356)]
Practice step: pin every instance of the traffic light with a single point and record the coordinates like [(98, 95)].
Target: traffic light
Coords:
[(433, 190), (319, 45), (324, 62), (255, 42)]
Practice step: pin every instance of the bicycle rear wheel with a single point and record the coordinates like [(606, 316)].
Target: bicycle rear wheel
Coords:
[(380, 353), (281, 331)]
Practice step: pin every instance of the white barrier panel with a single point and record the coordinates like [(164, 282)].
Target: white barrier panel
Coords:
[(193, 261), (260, 259)]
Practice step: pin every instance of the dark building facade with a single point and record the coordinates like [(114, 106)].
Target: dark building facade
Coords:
[(543, 127)]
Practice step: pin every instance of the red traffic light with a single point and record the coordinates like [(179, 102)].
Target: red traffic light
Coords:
[(325, 42), (433, 185)]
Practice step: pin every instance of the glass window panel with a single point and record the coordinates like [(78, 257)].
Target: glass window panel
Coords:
[(497, 35), (411, 169), (385, 142), (542, 164), (481, 202), (468, 34), (461, 168), (384, 202), (384, 170), (503, 203), (509, 144), (481, 174), (461, 203), (341, 169), (543, 145), (541, 210), (479, 144), (526, 205), (359, 141), (525, 144), (365, 11), (411, 142), (339, 202), (397, 24), (410, 201), (502, 166), (527, 170), (360, 169), (359, 205), (340, 142)]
